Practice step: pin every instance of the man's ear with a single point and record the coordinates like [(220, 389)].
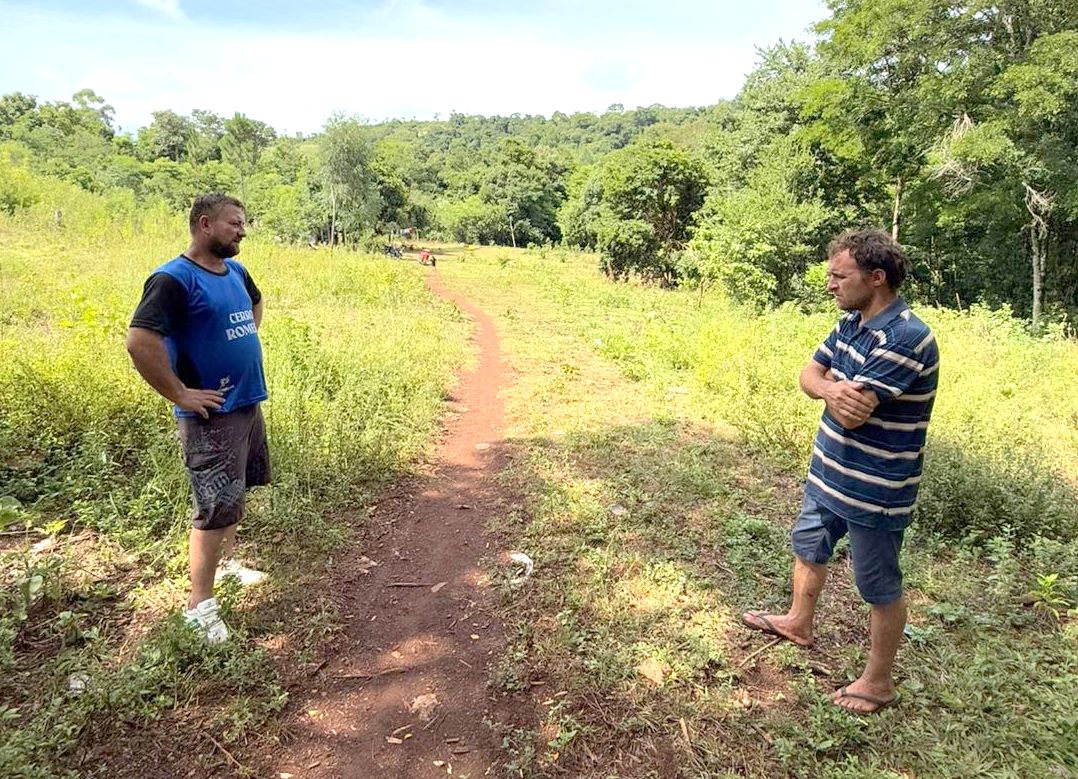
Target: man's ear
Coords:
[(879, 277)]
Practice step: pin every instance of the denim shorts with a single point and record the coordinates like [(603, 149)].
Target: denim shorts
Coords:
[(874, 552)]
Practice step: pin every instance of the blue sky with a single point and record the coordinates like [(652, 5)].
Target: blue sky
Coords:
[(292, 64)]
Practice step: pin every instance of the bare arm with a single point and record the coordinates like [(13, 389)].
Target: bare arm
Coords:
[(150, 356), (848, 401), (815, 380), (256, 309)]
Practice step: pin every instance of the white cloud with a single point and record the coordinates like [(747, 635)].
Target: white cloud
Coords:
[(170, 8), (46, 74), (308, 79), (406, 60)]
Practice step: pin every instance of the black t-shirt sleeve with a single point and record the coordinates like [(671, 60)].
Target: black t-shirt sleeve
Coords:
[(252, 288), (164, 301)]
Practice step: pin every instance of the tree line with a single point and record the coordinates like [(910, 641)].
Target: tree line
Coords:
[(952, 124)]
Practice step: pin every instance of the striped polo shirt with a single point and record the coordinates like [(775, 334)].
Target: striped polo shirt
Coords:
[(870, 475)]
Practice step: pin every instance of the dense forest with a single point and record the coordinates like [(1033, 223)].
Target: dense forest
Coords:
[(954, 124)]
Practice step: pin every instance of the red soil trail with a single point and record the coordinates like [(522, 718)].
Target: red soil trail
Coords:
[(362, 715)]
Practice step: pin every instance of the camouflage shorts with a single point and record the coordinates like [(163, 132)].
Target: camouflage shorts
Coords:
[(225, 455)]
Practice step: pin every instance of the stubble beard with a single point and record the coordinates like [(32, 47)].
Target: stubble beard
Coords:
[(223, 251), (854, 304)]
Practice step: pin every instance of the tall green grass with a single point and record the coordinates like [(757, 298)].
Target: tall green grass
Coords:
[(1003, 446), (659, 439), (358, 358)]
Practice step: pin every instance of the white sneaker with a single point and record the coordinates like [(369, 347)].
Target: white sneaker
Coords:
[(232, 567), (205, 619)]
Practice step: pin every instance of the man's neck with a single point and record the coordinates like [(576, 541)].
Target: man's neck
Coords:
[(204, 258), (878, 304)]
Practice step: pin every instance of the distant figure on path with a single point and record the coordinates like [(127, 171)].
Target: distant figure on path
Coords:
[(194, 339), (876, 373)]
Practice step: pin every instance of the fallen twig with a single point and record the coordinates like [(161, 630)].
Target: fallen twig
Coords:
[(228, 754), (764, 735), (434, 719), (410, 584), (764, 648), (371, 676), (820, 669)]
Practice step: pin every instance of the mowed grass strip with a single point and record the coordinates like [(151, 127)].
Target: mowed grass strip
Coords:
[(95, 676), (660, 442)]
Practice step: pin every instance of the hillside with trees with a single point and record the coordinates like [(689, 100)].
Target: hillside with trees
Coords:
[(953, 124)]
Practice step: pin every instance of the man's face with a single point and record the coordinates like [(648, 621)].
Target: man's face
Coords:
[(225, 231), (852, 288)]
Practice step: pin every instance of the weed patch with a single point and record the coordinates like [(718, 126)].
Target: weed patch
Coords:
[(358, 355), (661, 474)]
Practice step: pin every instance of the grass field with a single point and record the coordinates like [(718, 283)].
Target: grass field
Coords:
[(660, 442), (359, 356)]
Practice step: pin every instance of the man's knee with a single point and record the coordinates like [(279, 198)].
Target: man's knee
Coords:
[(881, 597), (815, 533), (876, 568), (210, 538)]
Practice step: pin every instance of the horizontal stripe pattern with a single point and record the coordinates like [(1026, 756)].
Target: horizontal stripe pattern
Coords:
[(847, 500), (854, 355), (898, 359), (860, 475), (871, 474), (883, 454)]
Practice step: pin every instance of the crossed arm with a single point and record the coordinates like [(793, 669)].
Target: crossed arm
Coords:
[(848, 401)]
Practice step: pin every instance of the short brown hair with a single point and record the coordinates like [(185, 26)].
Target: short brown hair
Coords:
[(211, 205), (873, 250)]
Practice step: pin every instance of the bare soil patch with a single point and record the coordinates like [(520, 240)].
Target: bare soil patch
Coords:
[(404, 690)]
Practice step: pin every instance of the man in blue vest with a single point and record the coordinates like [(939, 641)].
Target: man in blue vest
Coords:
[(876, 373), (194, 339)]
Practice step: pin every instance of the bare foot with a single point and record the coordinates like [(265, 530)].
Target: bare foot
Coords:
[(861, 697), (779, 625)]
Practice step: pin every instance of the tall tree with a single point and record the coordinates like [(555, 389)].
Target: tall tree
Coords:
[(527, 189), (204, 143), (95, 111), (242, 145), (1026, 149), (642, 201), (758, 239), (167, 136), (348, 183), (13, 107), (890, 59)]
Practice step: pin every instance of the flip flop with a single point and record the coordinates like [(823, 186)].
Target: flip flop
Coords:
[(764, 625), (879, 703)]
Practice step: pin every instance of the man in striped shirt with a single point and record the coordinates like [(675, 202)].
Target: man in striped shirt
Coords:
[(876, 373)]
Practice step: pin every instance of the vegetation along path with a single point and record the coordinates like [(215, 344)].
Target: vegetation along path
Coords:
[(406, 695)]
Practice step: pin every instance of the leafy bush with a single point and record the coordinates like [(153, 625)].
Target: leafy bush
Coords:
[(472, 220)]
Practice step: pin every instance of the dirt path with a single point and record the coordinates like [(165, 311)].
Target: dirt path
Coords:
[(369, 711)]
